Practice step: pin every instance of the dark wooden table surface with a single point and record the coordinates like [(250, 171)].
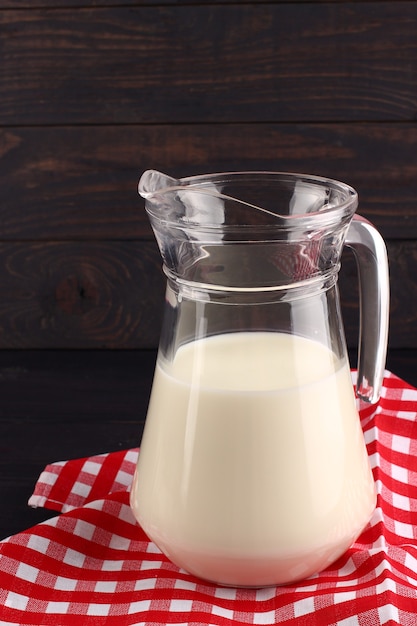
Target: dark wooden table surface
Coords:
[(58, 405)]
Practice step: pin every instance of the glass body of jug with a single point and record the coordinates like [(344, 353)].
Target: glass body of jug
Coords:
[(253, 469)]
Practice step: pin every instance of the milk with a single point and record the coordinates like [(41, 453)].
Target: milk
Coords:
[(253, 469)]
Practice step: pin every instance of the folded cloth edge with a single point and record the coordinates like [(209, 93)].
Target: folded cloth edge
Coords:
[(65, 485)]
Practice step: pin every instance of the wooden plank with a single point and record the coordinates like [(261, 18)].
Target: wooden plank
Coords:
[(53, 4), (79, 4), (81, 182), (69, 405), (74, 386), (80, 295), (209, 63), (110, 295)]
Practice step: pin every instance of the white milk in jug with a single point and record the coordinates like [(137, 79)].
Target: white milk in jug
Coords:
[(253, 469)]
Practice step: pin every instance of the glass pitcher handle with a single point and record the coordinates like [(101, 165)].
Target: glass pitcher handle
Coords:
[(371, 257)]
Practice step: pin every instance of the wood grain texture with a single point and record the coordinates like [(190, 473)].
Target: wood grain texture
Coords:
[(92, 95), (109, 295), (80, 295), (52, 4), (209, 63), (81, 182), (60, 405)]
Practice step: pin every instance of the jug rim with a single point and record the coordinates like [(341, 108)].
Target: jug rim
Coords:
[(203, 184)]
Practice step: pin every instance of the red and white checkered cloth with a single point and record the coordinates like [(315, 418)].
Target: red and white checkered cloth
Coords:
[(93, 565)]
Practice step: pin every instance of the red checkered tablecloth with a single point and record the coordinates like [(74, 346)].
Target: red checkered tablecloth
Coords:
[(93, 565)]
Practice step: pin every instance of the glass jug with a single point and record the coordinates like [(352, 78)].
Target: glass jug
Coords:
[(253, 469)]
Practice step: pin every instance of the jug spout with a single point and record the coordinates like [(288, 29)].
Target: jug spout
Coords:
[(188, 202), (153, 182)]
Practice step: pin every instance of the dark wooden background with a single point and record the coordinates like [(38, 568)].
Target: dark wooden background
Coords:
[(93, 93)]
